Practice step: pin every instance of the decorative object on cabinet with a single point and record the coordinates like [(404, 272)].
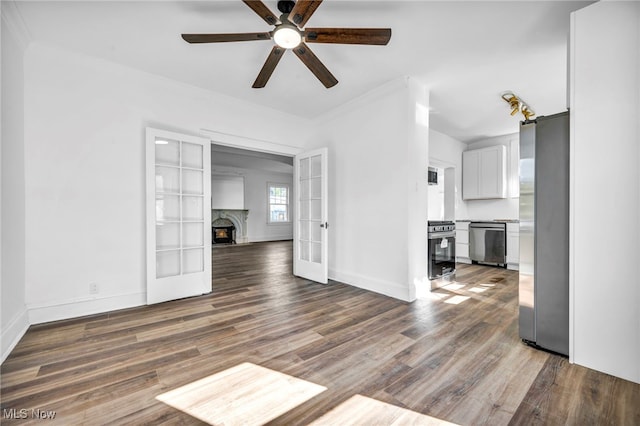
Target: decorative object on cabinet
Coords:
[(289, 34)]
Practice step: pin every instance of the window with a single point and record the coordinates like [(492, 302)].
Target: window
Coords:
[(278, 195)]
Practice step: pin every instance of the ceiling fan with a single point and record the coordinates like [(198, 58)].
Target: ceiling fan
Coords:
[(289, 34)]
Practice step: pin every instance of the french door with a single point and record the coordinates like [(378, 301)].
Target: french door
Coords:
[(178, 205), (310, 248)]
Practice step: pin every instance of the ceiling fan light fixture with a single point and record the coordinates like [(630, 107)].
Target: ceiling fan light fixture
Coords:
[(290, 33), (287, 36)]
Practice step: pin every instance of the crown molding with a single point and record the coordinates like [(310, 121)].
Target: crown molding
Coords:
[(13, 21)]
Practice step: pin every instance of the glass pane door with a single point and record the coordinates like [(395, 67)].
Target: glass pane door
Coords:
[(311, 225), (180, 185)]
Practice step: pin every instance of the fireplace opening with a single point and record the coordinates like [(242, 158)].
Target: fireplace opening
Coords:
[(223, 231)]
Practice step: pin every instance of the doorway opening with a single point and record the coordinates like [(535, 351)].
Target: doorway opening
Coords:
[(442, 192), (245, 187)]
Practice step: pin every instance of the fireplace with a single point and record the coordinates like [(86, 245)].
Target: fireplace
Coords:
[(230, 218), (223, 231)]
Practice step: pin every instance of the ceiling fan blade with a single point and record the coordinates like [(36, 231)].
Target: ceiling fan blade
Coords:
[(263, 11), (268, 67), (302, 11), (377, 36), (221, 38), (313, 63)]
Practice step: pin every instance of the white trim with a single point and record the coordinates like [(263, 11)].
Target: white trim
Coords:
[(441, 164), (13, 332), (572, 184), (266, 238), (388, 288), (66, 309), (252, 144)]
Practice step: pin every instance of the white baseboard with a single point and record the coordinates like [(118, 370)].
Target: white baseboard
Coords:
[(13, 332), (60, 310), (387, 288), (265, 238)]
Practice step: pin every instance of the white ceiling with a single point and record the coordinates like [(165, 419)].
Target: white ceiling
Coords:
[(467, 52)]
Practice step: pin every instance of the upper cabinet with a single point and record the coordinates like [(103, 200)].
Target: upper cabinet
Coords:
[(484, 173)]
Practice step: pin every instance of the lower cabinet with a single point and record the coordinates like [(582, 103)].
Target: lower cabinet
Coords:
[(513, 246), (462, 242)]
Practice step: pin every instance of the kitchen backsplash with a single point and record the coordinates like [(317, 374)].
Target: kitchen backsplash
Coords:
[(506, 208)]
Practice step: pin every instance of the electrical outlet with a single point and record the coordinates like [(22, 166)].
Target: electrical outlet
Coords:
[(93, 288)]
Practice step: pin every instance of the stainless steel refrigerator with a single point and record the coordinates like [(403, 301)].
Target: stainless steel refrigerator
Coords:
[(544, 232)]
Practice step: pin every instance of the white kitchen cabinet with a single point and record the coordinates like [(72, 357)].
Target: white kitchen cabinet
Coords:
[(462, 242), (484, 173), (513, 246)]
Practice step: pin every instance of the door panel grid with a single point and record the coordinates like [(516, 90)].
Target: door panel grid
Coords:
[(178, 185), (179, 208), (311, 226), (310, 209)]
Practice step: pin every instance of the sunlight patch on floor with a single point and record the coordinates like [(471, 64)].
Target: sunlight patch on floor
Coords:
[(439, 296), (454, 286), (456, 300), (361, 410), (246, 394)]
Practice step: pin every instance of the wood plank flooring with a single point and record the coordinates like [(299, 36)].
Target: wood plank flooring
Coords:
[(453, 356)]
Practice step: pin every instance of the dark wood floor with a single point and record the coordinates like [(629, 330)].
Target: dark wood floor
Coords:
[(454, 355)]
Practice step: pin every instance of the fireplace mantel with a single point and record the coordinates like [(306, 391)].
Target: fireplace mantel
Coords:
[(239, 219)]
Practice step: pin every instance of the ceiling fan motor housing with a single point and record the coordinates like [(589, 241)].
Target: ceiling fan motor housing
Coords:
[(286, 6)]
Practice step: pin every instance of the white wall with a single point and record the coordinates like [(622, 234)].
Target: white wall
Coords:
[(605, 135), (447, 151), (417, 163), (227, 192), (84, 150), (13, 318), (256, 202), (504, 208), (376, 152)]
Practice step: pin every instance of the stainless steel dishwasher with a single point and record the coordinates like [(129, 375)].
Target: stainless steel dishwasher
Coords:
[(487, 243)]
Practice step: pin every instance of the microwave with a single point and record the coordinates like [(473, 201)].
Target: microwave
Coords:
[(432, 176)]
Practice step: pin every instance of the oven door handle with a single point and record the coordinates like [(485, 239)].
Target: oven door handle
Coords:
[(439, 235)]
